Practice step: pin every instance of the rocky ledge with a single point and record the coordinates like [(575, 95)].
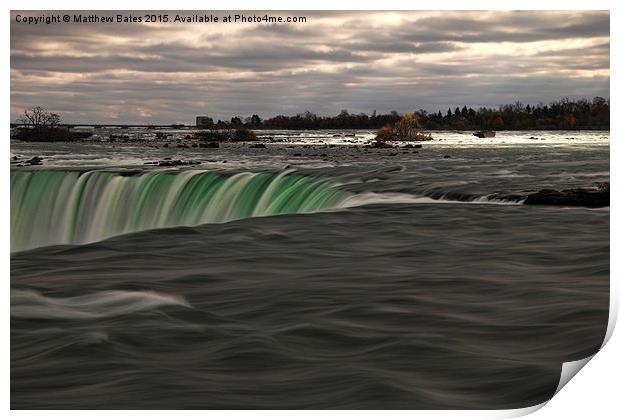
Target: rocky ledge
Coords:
[(170, 162), (594, 197), (582, 197), (35, 161)]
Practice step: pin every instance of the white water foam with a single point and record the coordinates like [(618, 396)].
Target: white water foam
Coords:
[(29, 304), (364, 199)]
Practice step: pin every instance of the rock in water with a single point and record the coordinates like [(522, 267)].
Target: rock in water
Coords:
[(169, 162), (35, 161), (582, 197), (484, 134)]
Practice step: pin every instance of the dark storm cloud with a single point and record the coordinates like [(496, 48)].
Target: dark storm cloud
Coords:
[(356, 60)]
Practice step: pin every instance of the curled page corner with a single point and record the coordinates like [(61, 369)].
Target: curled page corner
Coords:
[(520, 412), (613, 314), (569, 370)]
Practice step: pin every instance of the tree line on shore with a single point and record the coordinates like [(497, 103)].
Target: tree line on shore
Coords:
[(39, 124), (564, 114)]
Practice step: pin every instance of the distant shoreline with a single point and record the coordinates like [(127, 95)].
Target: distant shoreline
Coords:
[(565, 114), (193, 127)]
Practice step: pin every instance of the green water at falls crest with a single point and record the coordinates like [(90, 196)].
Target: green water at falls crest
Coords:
[(70, 207)]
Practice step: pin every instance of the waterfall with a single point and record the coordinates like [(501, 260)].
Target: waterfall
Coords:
[(71, 207)]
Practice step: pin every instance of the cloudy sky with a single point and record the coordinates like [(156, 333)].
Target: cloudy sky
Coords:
[(360, 61)]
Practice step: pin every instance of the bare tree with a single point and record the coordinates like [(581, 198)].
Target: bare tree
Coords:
[(39, 124), (39, 117)]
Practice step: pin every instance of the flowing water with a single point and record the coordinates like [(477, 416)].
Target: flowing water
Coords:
[(370, 280), (73, 207)]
